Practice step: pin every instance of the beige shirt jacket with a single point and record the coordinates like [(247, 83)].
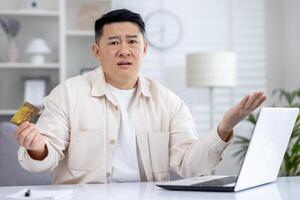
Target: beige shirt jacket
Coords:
[(81, 123)]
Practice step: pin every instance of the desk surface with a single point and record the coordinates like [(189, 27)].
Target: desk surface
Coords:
[(284, 188)]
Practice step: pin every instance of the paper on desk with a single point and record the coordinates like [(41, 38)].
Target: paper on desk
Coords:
[(42, 195)]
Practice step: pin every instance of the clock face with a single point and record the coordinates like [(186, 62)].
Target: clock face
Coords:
[(163, 29)]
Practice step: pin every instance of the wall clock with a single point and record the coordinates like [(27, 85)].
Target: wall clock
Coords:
[(163, 29)]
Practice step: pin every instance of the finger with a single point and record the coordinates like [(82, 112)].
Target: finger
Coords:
[(37, 140), (33, 125), (21, 136), (34, 140), (252, 99), (37, 137), (255, 101), (22, 126), (244, 101), (258, 103), (29, 138)]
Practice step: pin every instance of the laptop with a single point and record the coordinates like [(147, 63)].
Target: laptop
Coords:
[(262, 161)]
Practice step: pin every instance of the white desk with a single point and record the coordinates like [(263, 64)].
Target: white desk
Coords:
[(287, 188)]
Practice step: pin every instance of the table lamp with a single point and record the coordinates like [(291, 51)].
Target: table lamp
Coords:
[(211, 70), (38, 48)]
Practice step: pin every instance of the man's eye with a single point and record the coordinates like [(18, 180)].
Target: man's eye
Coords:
[(133, 41), (113, 43)]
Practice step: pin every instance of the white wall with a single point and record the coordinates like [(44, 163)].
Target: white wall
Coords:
[(283, 44), (274, 19), (291, 40)]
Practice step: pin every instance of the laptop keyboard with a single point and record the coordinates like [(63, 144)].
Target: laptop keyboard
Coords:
[(217, 182)]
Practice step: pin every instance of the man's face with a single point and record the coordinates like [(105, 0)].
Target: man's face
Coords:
[(120, 50)]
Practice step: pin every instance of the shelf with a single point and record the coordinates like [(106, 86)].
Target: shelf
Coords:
[(88, 1), (7, 112), (41, 13), (75, 33), (29, 66)]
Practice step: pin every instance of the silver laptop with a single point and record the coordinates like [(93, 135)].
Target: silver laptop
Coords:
[(262, 161)]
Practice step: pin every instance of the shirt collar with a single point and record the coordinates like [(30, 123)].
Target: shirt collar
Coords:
[(100, 87), (143, 87)]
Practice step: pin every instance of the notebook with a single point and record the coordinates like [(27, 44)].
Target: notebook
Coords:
[(36, 194)]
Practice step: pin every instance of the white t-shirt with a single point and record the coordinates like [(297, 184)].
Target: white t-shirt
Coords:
[(125, 166)]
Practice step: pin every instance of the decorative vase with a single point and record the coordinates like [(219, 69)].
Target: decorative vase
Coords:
[(12, 51)]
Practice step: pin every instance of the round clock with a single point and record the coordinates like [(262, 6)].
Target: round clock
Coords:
[(164, 29)]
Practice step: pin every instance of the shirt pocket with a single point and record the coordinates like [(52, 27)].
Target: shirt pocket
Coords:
[(159, 151), (86, 150)]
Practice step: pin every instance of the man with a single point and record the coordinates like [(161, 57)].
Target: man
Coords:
[(113, 125)]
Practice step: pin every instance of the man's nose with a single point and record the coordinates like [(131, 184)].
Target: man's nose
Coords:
[(124, 51)]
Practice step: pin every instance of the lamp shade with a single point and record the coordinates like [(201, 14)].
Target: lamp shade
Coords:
[(38, 46), (216, 69)]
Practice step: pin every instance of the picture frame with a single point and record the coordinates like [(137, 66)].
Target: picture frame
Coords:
[(35, 89)]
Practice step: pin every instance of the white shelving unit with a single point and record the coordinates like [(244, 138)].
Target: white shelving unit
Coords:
[(24, 13), (57, 22), (7, 112), (80, 33), (29, 66)]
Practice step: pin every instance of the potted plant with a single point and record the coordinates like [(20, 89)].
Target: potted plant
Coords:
[(291, 162)]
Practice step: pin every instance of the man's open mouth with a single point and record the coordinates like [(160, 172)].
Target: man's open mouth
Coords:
[(124, 63)]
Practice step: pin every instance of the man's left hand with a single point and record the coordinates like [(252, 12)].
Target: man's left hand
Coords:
[(239, 112)]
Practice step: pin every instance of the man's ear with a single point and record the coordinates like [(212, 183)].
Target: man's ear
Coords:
[(96, 51), (145, 48)]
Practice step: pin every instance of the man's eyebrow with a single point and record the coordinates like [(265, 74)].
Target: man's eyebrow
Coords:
[(118, 37), (131, 36), (113, 37)]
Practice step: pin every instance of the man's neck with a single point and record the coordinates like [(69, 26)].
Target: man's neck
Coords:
[(123, 85)]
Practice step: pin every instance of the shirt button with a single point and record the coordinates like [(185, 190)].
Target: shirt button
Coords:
[(112, 142)]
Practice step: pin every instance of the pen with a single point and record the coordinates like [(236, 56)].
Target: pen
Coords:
[(27, 193)]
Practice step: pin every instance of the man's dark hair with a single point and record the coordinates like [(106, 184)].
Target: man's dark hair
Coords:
[(121, 15)]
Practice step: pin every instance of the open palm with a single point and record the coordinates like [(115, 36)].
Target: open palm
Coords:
[(241, 110)]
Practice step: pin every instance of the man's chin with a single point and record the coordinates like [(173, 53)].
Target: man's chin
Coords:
[(126, 73)]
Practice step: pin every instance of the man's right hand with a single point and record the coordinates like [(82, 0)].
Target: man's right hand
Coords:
[(29, 137)]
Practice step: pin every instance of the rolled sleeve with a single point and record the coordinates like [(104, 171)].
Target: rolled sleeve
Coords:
[(200, 156), (37, 165), (215, 143)]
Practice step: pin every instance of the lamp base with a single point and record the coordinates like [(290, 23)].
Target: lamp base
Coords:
[(37, 59)]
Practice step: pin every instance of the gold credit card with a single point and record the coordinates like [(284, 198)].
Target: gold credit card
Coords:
[(27, 112)]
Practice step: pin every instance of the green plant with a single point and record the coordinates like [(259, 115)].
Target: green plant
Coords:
[(291, 162)]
